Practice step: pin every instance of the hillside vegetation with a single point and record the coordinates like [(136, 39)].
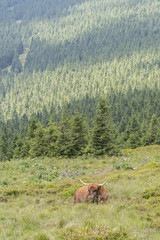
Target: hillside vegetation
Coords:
[(36, 197), (54, 52), (79, 82)]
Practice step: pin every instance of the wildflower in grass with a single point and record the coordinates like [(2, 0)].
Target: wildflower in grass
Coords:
[(147, 158), (69, 171), (54, 168), (90, 173), (108, 170)]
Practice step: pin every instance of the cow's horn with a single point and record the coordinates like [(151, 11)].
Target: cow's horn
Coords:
[(103, 183), (83, 182)]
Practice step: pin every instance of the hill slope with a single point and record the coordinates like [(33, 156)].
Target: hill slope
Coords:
[(38, 203), (76, 51)]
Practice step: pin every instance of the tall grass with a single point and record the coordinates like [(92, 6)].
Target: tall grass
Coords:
[(33, 208)]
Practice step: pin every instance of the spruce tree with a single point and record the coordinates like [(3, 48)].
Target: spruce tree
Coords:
[(152, 136), (14, 140), (38, 143), (30, 135), (78, 134), (64, 144), (18, 150), (157, 139), (103, 138), (52, 134), (134, 139), (31, 128), (3, 147), (144, 128)]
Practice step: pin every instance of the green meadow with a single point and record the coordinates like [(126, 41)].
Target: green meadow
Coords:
[(36, 197)]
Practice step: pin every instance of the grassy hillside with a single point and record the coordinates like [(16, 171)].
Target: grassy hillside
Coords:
[(36, 197)]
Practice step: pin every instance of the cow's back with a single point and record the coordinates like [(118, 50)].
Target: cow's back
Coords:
[(81, 195)]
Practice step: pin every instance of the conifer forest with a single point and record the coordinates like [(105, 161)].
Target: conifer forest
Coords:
[(78, 77)]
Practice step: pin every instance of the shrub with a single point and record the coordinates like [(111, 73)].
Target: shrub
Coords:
[(123, 166), (41, 236)]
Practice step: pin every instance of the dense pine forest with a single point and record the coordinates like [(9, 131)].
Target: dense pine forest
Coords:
[(61, 60)]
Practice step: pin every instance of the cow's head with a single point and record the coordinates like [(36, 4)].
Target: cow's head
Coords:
[(93, 189)]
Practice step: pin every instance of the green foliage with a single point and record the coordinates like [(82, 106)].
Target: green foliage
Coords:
[(38, 142), (134, 134), (30, 136), (64, 144), (152, 136), (17, 149), (41, 236), (48, 176), (124, 166), (16, 66), (102, 139), (78, 134), (3, 148), (52, 134), (69, 139), (31, 129)]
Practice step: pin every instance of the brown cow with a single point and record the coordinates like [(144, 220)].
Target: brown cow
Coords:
[(90, 191)]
